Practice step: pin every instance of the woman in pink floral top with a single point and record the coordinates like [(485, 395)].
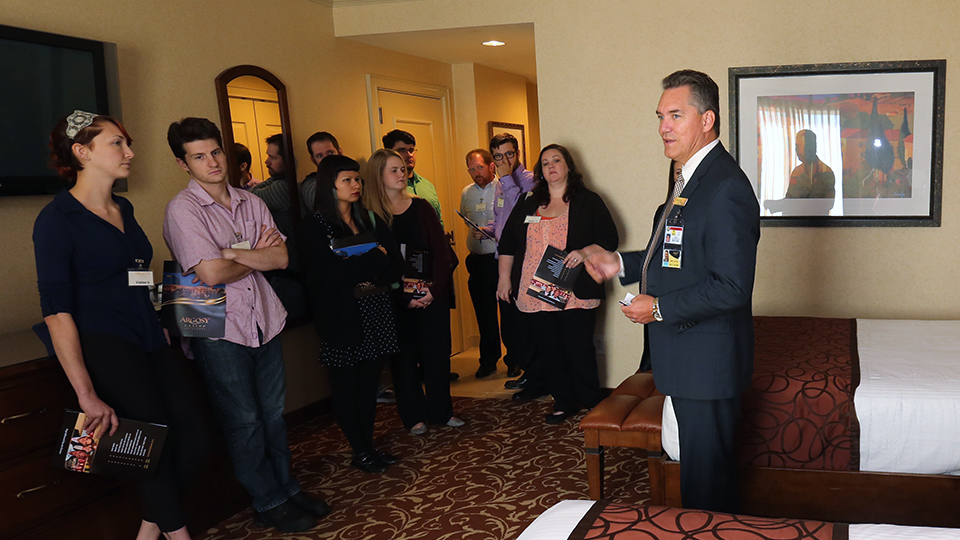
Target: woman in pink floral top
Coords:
[(559, 212)]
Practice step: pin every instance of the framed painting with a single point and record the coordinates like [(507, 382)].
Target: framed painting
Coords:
[(856, 144), (517, 131)]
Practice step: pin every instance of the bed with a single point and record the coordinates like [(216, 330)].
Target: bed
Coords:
[(846, 420), (848, 395), (599, 520)]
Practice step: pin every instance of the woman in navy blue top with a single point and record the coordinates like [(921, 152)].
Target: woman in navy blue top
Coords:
[(104, 330)]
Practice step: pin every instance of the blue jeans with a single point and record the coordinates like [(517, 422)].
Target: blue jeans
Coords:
[(247, 386)]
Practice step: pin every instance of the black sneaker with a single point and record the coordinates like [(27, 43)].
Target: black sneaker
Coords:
[(486, 371), (368, 462), (287, 518), (528, 394), (314, 506), (388, 459), (516, 384)]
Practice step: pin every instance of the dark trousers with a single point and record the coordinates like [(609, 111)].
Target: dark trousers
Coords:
[(568, 357), (151, 387), (355, 401), (708, 453), (516, 333), (424, 336), (484, 276)]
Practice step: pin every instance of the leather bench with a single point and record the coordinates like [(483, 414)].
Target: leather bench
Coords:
[(630, 417)]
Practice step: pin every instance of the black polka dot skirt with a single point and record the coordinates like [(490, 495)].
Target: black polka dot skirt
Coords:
[(379, 334)]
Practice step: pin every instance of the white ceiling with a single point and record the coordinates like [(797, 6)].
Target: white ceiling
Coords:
[(463, 45), (459, 45)]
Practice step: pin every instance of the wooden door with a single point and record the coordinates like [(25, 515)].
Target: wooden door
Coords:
[(423, 111)]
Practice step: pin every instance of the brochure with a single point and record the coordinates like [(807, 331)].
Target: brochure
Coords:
[(354, 245), (553, 281), (189, 309), (417, 273), (134, 450)]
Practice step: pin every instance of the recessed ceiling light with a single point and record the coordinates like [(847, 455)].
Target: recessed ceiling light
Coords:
[(494, 43)]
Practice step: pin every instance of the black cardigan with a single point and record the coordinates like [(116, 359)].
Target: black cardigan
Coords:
[(331, 278), (589, 223)]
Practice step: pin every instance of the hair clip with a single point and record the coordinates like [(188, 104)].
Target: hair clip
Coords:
[(77, 121)]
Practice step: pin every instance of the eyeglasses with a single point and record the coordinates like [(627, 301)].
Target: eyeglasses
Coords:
[(409, 150), (508, 154)]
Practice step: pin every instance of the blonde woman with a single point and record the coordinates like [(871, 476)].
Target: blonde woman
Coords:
[(423, 323)]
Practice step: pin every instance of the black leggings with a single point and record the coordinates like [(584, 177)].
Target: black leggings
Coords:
[(355, 401), (151, 387)]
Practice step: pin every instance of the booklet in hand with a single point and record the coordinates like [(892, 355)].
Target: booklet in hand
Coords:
[(553, 281), (189, 309), (417, 273), (354, 245), (134, 450)]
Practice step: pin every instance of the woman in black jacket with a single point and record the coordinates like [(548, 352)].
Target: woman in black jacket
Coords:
[(352, 261), (559, 212)]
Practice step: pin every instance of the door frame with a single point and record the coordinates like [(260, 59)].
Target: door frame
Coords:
[(374, 84)]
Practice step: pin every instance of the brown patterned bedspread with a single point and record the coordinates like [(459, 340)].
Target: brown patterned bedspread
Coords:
[(623, 522), (799, 412)]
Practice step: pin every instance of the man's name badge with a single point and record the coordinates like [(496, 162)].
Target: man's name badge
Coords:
[(679, 201), (500, 202), (673, 235), (138, 277), (481, 207), (531, 219), (672, 258), (241, 245)]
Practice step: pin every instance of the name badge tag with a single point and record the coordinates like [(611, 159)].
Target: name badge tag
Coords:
[(673, 234), (500, 202), (679, 201), (531, 219), (138, 277), (241, 245), (673, 243), (481, 207), (672, 258)]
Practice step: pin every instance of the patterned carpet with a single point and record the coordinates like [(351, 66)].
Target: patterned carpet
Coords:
[(485, 481)]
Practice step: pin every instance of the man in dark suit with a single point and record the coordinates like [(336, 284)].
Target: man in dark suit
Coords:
[(697, 278)]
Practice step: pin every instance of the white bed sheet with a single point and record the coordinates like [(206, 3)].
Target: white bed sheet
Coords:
[(558, 521), (908, 401)]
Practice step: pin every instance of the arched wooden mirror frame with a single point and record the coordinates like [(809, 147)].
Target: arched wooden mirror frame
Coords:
[(226, 125)]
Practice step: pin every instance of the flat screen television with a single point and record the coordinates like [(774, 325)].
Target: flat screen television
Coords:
[(44, 77)]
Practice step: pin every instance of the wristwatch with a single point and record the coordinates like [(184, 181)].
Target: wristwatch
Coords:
[(656, 310)]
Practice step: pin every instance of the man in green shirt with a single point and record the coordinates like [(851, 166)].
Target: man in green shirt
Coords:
[(406, 145)]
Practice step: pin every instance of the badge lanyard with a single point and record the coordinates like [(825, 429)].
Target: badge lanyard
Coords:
[(673, 237), (139, 276)]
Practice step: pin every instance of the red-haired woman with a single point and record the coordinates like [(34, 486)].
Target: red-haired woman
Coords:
[(92, 259)]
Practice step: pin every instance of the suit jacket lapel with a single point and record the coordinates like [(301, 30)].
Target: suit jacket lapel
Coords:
[(702, 169), (687, 192)]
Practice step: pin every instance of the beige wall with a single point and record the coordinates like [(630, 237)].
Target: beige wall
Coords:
[(599, 67)]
